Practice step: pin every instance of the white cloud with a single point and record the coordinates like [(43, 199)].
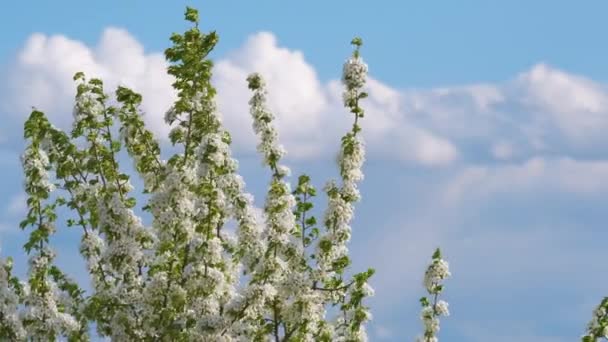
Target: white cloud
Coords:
[(393, 136), (309, 113), (540, 111), (296, 95), (43, 70), (543, 110), (577, 105), (561, 174)]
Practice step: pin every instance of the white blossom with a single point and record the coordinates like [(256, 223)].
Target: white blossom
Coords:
[(354, 73), (9, 304)]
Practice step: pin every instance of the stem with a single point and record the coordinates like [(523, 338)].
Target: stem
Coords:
[(344, 287), (188, 133), (304, 229), (276, 322), (112, 159)]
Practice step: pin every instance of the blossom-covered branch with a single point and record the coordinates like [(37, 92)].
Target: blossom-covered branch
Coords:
[(598, 326), (432, 307)]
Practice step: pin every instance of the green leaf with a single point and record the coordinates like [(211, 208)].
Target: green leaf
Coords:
[(115, 146), (191, 15), (79, 76), (437, 254), (130, 202)]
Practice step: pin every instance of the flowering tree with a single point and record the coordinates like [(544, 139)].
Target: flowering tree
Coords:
[(185, 277)]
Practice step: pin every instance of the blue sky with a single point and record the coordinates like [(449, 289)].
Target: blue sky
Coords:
[(485, 129)]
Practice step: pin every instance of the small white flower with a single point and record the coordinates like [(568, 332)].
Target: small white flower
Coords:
[(442, 308)]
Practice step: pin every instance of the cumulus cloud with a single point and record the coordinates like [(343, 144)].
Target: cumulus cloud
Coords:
[(576, 105), (393, 135), (42, 75), (542, 111), (542, 174), (309, 112), (295, 94)]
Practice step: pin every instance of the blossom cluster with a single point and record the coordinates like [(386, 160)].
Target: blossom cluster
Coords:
[(598, 326), (434, 308), (10, 287)]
